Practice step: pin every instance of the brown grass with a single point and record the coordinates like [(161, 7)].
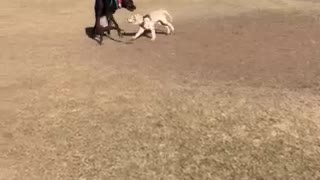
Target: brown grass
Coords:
[(238, 100)]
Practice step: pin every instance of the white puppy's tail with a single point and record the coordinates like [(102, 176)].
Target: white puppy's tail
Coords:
[(168, 14)]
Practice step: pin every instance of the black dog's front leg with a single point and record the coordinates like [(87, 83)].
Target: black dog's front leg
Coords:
[(109, 23), (120, 31)]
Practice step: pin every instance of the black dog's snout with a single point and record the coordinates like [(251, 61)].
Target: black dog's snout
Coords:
[(133, 7)]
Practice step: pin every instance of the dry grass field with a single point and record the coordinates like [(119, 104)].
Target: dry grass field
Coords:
[(233, 94)]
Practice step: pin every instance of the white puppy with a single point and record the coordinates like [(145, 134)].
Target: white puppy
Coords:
[(149, 21)]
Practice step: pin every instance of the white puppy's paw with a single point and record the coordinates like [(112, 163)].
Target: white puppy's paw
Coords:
[(168, 32), (172, 30)]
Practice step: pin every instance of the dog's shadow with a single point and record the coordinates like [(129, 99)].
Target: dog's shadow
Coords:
[(89, 32), (144, 34)]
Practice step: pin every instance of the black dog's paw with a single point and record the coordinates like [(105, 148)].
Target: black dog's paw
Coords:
[(100, 41), (120, 33)]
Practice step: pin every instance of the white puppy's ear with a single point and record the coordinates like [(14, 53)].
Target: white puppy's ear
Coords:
[(131, 19)]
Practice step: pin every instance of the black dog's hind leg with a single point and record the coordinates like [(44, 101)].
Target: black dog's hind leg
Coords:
[(98, 29)]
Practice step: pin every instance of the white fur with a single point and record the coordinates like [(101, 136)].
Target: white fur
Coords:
[(146, 23), (103, 21)]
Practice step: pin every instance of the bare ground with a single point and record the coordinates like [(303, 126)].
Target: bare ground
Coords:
[(234, 94)]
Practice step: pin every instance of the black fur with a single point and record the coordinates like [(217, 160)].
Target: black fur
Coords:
[(108, 8)]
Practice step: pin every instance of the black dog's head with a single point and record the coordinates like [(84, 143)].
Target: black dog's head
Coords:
[(128, 4)]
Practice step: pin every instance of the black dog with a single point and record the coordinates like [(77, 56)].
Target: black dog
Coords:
[(108, 8)]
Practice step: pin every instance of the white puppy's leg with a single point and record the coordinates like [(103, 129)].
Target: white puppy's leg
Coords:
[(168, 29), (171, 26), (153, 34), (140, 31)]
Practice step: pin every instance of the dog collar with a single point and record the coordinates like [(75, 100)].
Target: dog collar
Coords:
[(119, 4)]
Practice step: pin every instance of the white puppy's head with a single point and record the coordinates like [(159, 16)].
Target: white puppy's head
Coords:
[(135, 19)]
